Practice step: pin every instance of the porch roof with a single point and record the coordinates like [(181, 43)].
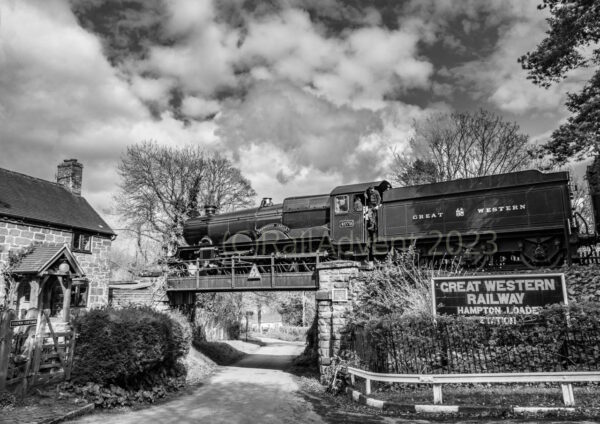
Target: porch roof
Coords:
[(42, 258)]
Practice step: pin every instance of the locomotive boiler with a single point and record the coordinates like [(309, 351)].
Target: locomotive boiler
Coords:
[(519, 219)]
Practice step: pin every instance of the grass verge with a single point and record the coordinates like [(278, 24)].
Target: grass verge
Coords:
[(487, 394), (219, 352)]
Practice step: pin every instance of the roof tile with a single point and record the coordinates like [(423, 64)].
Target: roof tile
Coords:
[(35, 260)]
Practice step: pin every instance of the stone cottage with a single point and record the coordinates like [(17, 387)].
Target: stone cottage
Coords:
[(56, 240)]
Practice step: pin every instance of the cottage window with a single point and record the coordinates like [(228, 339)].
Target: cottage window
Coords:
[(82, 242), (79, 294)]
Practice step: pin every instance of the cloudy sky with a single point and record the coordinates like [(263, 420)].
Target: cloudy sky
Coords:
[(303, 95)]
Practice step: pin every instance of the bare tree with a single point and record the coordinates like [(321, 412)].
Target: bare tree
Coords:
[(223, 185), (461, 145), (581, 202), (161, 187)]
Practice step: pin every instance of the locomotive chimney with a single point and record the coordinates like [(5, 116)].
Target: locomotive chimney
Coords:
[(210, 210), (69, 175)]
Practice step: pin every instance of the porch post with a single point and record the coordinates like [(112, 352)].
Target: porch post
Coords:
[(65, 284), (34, 287)]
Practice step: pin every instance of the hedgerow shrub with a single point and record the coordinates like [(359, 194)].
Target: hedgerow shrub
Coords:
[(310, 356), (132, 347), (560, 338), (399, 286)]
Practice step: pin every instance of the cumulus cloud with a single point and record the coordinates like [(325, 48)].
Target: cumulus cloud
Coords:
[(498, 78), (358, 68), (61, 98), (309, 129), (304, 94), (282, 130)]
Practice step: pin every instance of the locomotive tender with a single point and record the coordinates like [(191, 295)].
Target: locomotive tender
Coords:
[(519, 219)]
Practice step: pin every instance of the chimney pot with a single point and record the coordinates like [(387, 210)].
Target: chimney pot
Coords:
[(69, 175)]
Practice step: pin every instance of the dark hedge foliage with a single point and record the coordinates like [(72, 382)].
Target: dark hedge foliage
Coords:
[(310, 356), (416, 344), (131, 347)]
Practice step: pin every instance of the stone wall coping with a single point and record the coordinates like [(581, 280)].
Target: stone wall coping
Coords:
[(338, 265)]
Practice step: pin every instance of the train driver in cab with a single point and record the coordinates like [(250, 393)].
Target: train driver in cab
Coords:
[(373, 199)]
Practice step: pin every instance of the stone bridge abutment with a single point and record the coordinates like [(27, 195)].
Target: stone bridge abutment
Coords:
[(338, 290)]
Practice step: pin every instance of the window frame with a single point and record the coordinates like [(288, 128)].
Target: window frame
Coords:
[(338, 211), (362, 203), (77, 236)]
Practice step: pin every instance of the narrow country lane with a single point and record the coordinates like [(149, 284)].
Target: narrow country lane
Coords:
[(255, 390)]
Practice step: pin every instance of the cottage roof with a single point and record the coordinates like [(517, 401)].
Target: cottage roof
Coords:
[(33, 199)]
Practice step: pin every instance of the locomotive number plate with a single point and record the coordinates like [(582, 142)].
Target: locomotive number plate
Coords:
[(346, 223)]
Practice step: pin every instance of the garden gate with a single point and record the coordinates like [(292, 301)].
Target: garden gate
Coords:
[(32, 353)]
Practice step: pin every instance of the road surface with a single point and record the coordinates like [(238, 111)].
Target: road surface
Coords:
[(254, 390)]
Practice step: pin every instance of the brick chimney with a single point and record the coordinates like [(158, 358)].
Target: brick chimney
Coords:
[(69, 175)]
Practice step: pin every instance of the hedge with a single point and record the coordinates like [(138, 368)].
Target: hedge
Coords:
[(131, 347), (415, 344)]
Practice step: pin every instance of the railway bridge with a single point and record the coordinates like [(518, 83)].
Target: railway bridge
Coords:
[(335, 284)]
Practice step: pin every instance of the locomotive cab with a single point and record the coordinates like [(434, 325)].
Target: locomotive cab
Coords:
[(349, 217)]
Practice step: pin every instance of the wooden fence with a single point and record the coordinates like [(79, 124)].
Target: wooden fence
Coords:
[(33, 354)]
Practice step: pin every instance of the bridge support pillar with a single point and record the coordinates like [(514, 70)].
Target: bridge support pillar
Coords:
[(335, 299)]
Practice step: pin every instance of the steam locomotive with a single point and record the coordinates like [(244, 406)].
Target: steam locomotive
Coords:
[(520, 219)]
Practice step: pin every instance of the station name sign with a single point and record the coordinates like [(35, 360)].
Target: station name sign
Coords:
[(497, 298)]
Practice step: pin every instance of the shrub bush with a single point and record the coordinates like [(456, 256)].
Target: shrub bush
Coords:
[(7, 399), (399, 286), (414, 343), (131, 347), (310, 356)]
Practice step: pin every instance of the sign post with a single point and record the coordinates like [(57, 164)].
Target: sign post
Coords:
[(497, 298), (248, 314)]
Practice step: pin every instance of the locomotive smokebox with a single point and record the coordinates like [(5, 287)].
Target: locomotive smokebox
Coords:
[(210, 210)]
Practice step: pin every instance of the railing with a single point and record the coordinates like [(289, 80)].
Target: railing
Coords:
[(258, 272), (436, 381), (455, 347), (589, 255)]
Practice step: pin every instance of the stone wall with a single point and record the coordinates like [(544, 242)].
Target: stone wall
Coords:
[(97, 269), (95, 265), (145, 291), (332, 313)]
